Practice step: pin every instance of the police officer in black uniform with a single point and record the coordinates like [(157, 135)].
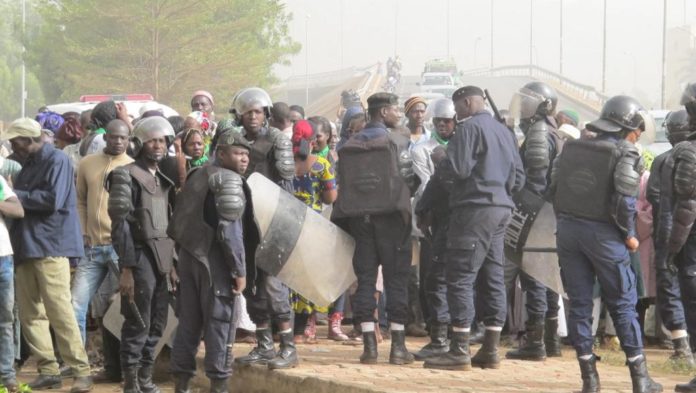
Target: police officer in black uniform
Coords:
[(208, 226), (139, 206), (267, 297), (676, 237), (594, 188), (669, 303), (482, 171), (541, 146), (376, 180)]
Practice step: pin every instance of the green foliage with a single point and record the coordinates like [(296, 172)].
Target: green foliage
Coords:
[(168, 48)]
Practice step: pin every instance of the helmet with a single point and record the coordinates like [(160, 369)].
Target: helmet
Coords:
[(677, 126), (442, 108), (620, 113), (542, 99), (350, 98), (250, 98), (688, 99), (150, 128)]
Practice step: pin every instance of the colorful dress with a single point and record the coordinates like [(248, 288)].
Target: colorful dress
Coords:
[(308, 189)]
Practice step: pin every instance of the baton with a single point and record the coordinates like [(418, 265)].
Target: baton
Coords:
[(493, 106), (539, 249), (131, 304)]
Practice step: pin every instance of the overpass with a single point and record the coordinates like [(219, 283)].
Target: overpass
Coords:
[(502, 82)]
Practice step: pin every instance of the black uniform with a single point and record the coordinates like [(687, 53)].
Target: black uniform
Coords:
[(211, 255), (142, 244)]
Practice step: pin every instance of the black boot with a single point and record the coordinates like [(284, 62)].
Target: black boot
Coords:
[(369, 355), (181, 384), (438, 344), (130, 381), (590, 377), (478, 330), (287, 355), (487, 355), (145, 380), (682, 352), (399, 354), (46, 382), (533, 348), (552, 341), (218, 385), (457, 358), (642, 383), (262, 353), (686, 387)]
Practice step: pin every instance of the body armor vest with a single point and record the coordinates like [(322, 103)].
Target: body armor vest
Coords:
[(150, 219), (259, 161)]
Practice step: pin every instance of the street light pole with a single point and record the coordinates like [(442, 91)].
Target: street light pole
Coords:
[(307, 16), (492, 47), (447, 33), (24, 68), (560, 40), (664, 51), (604, 51), (478, 39)]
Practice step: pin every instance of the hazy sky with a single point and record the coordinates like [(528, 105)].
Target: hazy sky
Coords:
[(361, 32)]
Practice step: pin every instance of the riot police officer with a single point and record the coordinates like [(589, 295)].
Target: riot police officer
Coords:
[(594, 188), (432, 212), (669, 303), (139, 205), (541, 146), (267, 297), (677, 214), (208, 226), (482, 171), (376, 180)]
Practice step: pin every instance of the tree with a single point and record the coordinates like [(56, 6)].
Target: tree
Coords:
[(168, 48)]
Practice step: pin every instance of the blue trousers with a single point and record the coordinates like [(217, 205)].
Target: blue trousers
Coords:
[(475, 249), (7, 300), (686, 272), (541, 301), (589, 249)]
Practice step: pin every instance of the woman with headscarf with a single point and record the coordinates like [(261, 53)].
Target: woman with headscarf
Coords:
[(314, 184)]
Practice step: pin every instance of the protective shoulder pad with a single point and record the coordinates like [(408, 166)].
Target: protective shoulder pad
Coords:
[(284, 158), (536, 154), (119, 185), (685, 170), (628, 169), (228, 188)]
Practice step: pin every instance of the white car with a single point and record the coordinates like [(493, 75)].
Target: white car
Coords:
[(136, 104), (438, 83)]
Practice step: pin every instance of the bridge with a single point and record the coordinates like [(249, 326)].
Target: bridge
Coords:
[(322, 91)]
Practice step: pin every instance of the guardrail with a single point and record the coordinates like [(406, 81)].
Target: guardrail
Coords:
[(323, 79), (578, 91)]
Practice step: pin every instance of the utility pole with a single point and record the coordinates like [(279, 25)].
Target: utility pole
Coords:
[(24, 67), (447, 19), (560, 40), (492, 46), (306, 48), (531, 33), (604, 51), (664, 51)]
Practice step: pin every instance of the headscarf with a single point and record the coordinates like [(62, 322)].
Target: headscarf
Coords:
[(70, 131), (203, 121), (302, 134), (350, 112), (50, 121), (203, 93)]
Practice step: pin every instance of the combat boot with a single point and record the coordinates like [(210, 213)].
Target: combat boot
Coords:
[(642, 383), (686, 387), (287, 355), (682, 352), (533, 348), (145, 380), (438, 345), (399, 354), (487, 355), (552, 341), (181, 383), (262, 353), (218, 385), (457, 358), (590, 376), (130, 381), (369, 355)]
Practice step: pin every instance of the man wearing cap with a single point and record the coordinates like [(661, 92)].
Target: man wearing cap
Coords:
[(482, 171), (43, 241), (594, 187), (377, 180), (414, 109), (139, 205), (212, 267)]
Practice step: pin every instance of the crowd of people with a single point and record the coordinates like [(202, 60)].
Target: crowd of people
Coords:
[(159, 210)]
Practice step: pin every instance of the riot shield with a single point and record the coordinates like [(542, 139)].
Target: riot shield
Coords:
[(307, 252)]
